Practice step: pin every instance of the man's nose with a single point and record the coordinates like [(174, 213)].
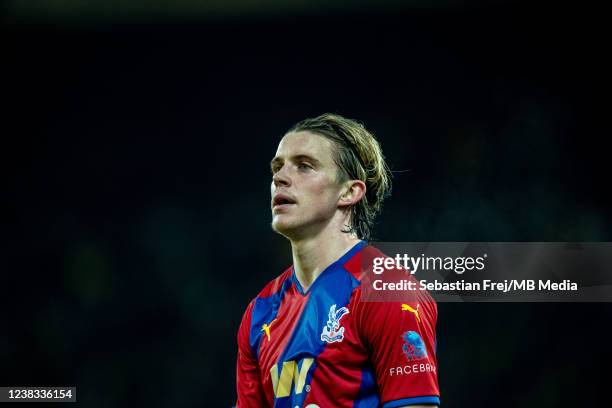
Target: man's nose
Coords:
[(281, 178)]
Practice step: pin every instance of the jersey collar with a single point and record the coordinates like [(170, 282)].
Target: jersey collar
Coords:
[(341, 261)]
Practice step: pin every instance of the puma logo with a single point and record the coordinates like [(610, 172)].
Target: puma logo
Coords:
[(266, 328), (411, 310)]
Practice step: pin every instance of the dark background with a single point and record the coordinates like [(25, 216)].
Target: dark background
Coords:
[(137, 140)]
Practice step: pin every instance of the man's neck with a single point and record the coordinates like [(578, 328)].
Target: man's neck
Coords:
[(311, 256)]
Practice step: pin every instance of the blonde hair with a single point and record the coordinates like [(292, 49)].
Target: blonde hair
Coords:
[(359, 157)]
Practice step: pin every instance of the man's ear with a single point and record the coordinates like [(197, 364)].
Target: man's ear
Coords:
[(353, 191)]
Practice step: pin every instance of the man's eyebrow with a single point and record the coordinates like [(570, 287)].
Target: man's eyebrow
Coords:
[(305, 157), (297, 157)]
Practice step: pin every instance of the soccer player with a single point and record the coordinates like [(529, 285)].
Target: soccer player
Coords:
[(309, 339)]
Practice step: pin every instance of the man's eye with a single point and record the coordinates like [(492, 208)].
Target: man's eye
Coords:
[(304, 166)]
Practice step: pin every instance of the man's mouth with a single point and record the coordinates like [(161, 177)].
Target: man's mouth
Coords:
[(282, 200)]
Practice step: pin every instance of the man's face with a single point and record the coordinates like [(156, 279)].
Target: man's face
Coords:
[(305, 190)]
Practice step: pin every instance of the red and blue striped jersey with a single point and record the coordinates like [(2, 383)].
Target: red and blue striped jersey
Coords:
[(326, 347)]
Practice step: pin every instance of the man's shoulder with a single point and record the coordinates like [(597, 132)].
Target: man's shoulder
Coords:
[(265, 298), (358, 265), (361, 267), (276, 285)]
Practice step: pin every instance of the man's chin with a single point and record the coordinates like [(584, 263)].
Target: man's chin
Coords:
[(284, 227), (280, 227)]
